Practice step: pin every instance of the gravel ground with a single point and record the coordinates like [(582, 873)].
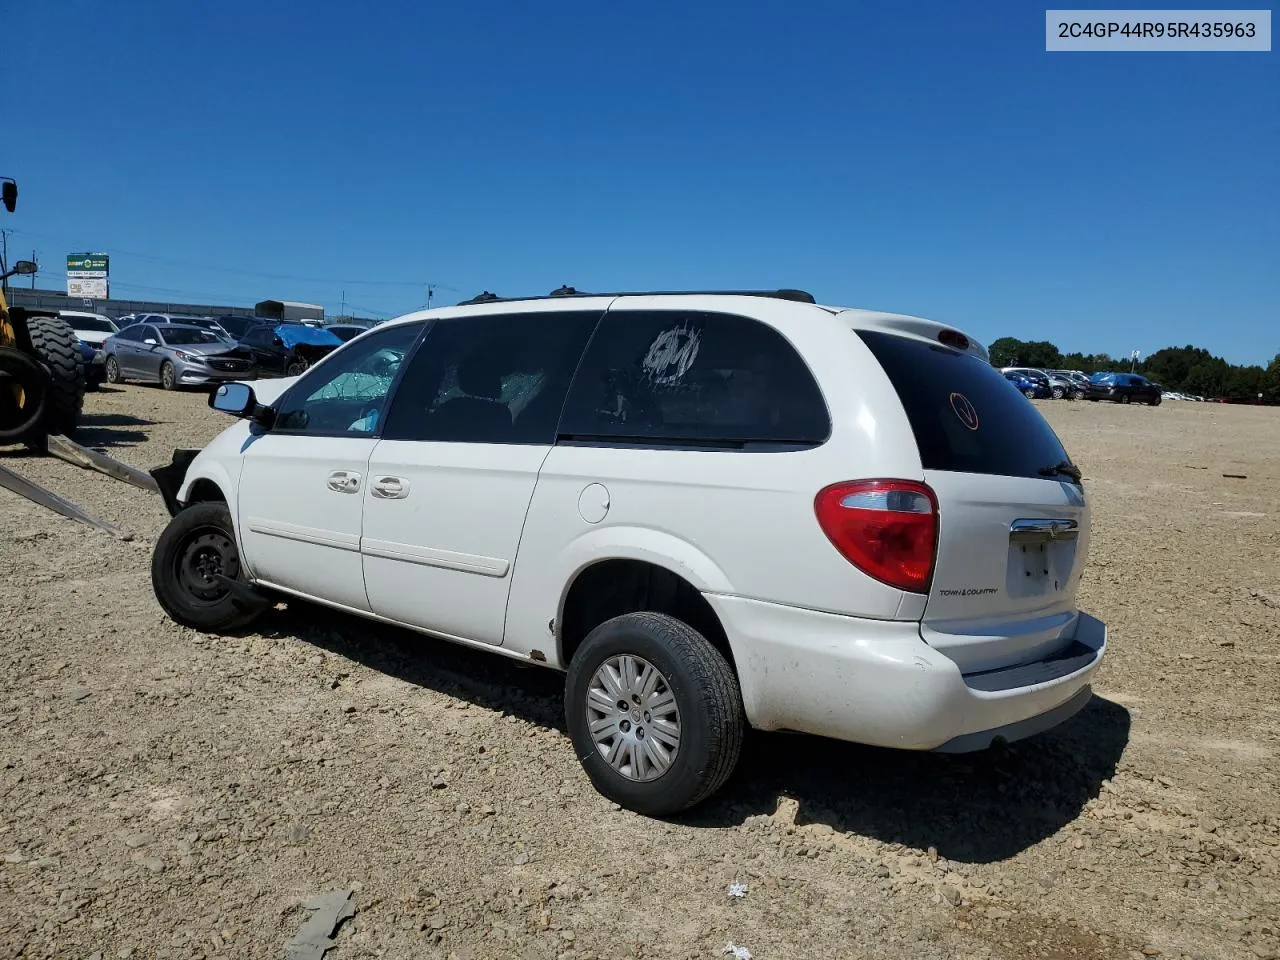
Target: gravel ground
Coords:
[(169, 794)]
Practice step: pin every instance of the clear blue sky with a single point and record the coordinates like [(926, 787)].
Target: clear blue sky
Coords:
[(928, 158)]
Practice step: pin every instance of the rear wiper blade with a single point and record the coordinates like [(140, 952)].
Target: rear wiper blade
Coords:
[(1065, 468)]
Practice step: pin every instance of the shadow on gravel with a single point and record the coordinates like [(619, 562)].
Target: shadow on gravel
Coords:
[(978, 808), (110, 430)]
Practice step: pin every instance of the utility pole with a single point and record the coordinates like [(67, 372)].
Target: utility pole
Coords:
[(431, 289), (343, 312), (33, 276), (4, 258)]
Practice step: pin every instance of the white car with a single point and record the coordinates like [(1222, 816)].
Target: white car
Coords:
[(713, 511), (90, 328)]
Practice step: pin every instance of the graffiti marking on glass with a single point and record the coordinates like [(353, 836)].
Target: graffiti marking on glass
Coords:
[(672, 354)]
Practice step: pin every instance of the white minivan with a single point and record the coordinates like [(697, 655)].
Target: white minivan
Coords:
[(714, 511)]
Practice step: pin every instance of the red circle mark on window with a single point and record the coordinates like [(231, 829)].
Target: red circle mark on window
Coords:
[(965, 410)]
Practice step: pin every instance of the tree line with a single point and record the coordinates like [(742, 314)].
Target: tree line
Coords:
[(1185, 369)]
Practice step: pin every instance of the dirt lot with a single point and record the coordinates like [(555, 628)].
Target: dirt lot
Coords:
[(168, 794)]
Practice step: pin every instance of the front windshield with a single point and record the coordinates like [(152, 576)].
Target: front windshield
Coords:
[(96, 324), (186, 336)]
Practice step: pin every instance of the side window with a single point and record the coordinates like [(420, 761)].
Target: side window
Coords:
[(345, 394), (491, 379), (132, 333), (150, 333), (668, 376)]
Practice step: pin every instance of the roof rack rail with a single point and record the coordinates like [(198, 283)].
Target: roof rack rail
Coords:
[(799, 296)]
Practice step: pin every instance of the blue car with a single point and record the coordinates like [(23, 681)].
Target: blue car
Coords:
[(95, 368), (286, 349), (1029, 387)]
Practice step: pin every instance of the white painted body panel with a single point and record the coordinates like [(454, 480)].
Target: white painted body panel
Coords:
[(294, 530), (441, 557), (993, 603)]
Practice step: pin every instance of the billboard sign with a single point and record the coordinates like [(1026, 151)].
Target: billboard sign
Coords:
[(88, 264), (93, 288), (88, 272)]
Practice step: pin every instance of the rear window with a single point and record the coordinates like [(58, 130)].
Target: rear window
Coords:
[(967, 418)]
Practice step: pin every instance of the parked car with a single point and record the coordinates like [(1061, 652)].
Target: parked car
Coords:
[(1033, 388), (287, 349), (1124, 388), (94, 365), (90, 328), (345, 331), (607, 485), (173, 355), (205, 323), (237, 326), (1056, 387), (1067, 384)]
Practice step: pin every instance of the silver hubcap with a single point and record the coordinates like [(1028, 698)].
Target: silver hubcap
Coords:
[(633, 719)]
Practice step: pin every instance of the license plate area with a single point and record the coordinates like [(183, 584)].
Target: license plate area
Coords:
[(1042, 554)]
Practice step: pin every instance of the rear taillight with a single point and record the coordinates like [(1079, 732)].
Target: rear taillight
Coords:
[(888, 529)]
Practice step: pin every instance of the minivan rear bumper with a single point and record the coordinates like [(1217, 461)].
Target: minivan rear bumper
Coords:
[(877, 682)]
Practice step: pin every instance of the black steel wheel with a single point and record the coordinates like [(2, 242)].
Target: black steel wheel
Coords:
[(195, 550)]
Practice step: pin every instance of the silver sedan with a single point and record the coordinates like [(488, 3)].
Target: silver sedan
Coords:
[(173, 355)]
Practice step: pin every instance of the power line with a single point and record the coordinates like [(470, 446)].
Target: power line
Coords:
[(237, 270)]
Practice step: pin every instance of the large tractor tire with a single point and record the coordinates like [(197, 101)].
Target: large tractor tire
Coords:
[(24, 393), (57, 348)]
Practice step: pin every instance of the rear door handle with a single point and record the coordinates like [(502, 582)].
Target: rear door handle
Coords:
[(1042, 531), (390, 488), (343, 481)]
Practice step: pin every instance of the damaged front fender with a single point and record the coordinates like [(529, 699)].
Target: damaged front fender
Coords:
[(171, 477)]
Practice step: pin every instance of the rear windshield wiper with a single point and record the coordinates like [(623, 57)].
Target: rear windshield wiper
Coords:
[(1063, 468)]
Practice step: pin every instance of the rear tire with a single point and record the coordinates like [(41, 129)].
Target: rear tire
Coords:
[(198, 543), (1154, 401), (58, 350), (168, 376), (1058, 393), (695, 694), (1124, 398), (296, 367)]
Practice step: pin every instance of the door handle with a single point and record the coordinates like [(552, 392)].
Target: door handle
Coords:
[(390, 488), (343, 481)]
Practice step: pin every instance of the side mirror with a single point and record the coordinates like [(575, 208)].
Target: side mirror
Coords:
[(25, 267), (277, 341), (239, 400), (150, 341), (9, 195), (234, 398)]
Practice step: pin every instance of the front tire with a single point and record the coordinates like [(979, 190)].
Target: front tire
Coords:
[(113, 371), (1124, 398), (198, 544), (1058, 393), (654, 712), (168, 376), (296, 367)]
